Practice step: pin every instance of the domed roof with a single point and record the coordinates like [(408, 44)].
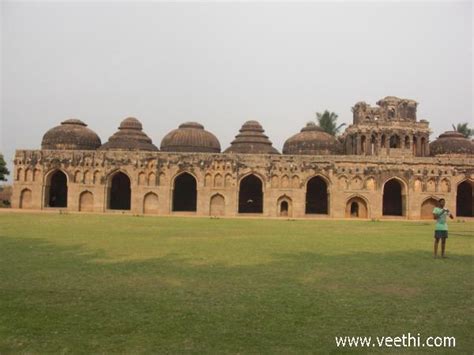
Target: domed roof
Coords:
[(129, 137), (190, 137), (251, 140), (72, 134), (311, 140), (451, 142)]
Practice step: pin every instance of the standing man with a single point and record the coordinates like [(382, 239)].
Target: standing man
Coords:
[(441, 229)]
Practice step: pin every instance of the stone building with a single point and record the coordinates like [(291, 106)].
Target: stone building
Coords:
[(383, 166)]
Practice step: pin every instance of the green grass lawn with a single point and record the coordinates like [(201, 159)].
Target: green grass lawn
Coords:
[(109, 283)]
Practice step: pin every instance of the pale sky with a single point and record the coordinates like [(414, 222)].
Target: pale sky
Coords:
[(225, 63)]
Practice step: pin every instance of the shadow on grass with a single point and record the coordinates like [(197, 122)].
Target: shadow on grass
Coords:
[(60, 299)]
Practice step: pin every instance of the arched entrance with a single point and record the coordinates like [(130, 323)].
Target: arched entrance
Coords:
[(393, 198), (185, 193), (217, 205), (250, 195), (427, 208), (284, 206), (317, 196), (150, 203), (86, 202), (25, 199), (120, 192), (356, 207), (56, 190), (464, 199)]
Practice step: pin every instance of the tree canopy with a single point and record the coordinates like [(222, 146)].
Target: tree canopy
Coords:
[(464, 129), (3, 169), (328, 122)]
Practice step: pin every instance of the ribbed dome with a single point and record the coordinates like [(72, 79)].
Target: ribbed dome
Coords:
[(311, 140), (130, 137), (251, 140), (451, 142), (72, 134), (190, 137)]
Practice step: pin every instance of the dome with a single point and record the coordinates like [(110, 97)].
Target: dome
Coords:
[(71, 134), (451, 142), (251, 140), (311, 140), (190, 137), (129, 136)]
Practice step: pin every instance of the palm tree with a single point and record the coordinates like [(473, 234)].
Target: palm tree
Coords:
[(464, 129), (328, 122)]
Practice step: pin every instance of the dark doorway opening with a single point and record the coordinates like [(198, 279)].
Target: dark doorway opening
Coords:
[(317, 196), (185, 193), (354, 209), (464, 200), (250, 195), (284, 208), (392, 198), (120, 192), (58, 190)]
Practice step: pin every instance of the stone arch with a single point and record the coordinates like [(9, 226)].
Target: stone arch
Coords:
[(445, 185), (395, 141), (56, 188), (342, 182), (119, 191), (295, 181), (162, 179), (36, 175), (152, 179), (275, 181), (28, 174), (356, 183), (218, 181), (417, 185), (208, 180), (251, 194), (150, 203), (26, 199), (394, 197), (370, 184), (217, 205), (357, 207), (427, 207), (96, 177), (431, 185), (407, 142), (317, 195), (141, 178), (19, 174), (87, 177), (285, 206), (285, 181), (86, 201), (184, 192), (465, 198), (228, 180), (77, 177)]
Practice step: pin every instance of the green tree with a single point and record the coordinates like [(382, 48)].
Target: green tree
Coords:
[(3, 169), (464, 129), (328, 122)]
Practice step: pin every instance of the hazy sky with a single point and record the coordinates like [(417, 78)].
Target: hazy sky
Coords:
[(224, 63)]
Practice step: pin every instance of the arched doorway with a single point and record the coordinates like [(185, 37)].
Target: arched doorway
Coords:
[(284, 207), (56, 190), (427, 208), (464, 199), (217, 205), (393, 198), (250, 195), (356, 207), (185, 193), (86, 202), (25, 199), (120, 192), (317, 196), (150, 203)]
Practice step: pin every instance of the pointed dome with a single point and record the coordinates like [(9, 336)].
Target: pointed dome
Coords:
[(130, 137), (190, 137), (72, 134), (451, 142), (251, 140), (312, 140)]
